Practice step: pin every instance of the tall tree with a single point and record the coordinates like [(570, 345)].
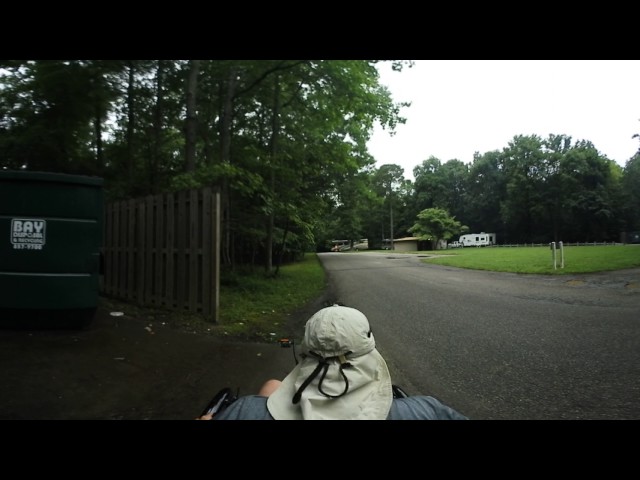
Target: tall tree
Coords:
[(390, 178), (523, 167), (192, 119), (631, 192), (426, 183), (450, 195), (485, 191), (587, 179)]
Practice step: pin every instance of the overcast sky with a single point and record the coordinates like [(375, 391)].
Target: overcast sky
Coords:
[(464, 106)]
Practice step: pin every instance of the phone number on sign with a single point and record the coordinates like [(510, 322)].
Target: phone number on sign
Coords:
[(26, 246)]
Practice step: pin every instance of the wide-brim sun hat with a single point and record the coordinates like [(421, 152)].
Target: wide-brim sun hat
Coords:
[(341, 375)]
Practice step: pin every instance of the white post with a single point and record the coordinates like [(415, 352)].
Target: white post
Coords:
[(561, 254)]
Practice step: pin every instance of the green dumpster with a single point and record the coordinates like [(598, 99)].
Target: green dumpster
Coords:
[(50, 244)]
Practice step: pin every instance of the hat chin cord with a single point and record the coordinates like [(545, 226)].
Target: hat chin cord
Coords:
[(323, 365)]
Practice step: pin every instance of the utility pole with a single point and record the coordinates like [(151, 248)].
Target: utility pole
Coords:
[(391, 222)]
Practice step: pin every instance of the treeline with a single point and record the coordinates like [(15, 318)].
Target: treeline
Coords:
[(285, 142), (275, 136), (534, 190)]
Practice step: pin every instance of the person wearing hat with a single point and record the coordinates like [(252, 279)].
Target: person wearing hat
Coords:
[(341, 376)]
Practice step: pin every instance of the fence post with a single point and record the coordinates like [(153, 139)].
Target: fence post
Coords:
[(140, 244), (216, 243), (553, 254)]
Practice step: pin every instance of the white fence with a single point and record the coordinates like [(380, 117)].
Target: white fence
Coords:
[(566, 244)]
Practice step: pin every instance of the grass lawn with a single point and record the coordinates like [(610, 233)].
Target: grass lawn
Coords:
[(539, 260), (251, 303)]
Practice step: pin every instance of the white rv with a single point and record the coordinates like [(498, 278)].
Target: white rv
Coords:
[(478, 239)]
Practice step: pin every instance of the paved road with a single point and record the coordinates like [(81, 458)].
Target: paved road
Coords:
[(499, 345)]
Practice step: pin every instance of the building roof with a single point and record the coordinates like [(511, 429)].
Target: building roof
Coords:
[(407, 239)]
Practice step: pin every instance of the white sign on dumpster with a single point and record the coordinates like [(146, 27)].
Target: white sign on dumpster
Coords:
[(28, 233)]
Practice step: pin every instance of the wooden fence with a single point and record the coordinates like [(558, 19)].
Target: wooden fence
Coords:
[(164, 251)]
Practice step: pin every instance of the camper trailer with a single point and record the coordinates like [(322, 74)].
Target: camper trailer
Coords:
[(478, 239)]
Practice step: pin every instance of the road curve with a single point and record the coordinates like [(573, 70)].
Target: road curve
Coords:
[(501, 345)]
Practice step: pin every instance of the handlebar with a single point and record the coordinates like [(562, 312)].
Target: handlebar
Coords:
[(220, 401)]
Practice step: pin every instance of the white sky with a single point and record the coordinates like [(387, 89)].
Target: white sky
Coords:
[(464, 106)]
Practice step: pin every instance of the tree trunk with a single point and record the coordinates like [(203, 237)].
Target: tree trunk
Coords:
[(191, 122), (281, 252), (98, 132), (131, 117), (225, 157), (275, 124), (391, 224), (157, 128)]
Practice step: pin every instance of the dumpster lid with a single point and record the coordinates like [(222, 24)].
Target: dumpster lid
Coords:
[(36, 176)]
